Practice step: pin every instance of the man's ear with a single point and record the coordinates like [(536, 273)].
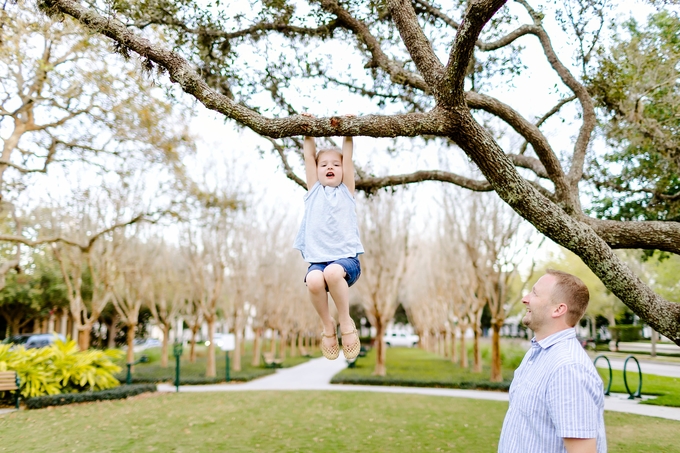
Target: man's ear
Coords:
[(560, 310)]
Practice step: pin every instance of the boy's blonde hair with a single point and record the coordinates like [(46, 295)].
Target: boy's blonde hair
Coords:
[(328, 150)]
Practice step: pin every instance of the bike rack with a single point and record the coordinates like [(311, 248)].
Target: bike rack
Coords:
[(638, 393), (609, 365)]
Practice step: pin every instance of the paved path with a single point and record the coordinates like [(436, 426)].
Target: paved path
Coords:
[(316, 374), (647, 367)]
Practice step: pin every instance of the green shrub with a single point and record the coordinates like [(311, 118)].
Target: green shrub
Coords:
[(117, 393), (624, 332), (60, 368)]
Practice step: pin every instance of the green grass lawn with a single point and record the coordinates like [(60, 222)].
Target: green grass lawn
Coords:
[(291, 422), (195, 372), (416, 367)]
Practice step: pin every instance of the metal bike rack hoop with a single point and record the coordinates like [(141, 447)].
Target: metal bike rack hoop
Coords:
[(609, 365), (638, 393)]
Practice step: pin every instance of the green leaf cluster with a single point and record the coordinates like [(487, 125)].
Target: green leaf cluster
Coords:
[(637, 89), (61, 368)]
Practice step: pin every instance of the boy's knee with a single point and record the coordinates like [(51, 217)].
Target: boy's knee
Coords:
[(334, 272), (315, 281)]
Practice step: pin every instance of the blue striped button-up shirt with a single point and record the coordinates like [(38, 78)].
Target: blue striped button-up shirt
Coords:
[(556, 393)]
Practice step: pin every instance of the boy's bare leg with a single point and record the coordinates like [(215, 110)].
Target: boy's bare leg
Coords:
[(316, 285), (337, 285)]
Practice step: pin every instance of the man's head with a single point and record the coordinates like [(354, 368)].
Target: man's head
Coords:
[(329, 167), (557, 301)]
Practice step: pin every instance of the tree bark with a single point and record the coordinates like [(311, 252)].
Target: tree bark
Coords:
[(477, 352), (164, 345), (463, 348), (192, 347), (380, 350), (210, 369), (257, 347), (496, 370), (130, 357), (236, 360)]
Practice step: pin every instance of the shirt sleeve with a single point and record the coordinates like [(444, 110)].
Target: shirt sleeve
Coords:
[(572, 404)]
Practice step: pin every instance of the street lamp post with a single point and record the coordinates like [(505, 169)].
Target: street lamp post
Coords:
[(177, 352)]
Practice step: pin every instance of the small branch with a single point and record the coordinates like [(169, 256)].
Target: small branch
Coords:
[(545, 117)]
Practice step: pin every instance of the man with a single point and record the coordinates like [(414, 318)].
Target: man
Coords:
[(556, 397)]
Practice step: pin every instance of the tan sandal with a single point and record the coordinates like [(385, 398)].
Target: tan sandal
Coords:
[(330, 352), (351, 352)]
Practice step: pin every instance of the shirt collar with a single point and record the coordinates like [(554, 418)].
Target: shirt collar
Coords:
[(548, 341)]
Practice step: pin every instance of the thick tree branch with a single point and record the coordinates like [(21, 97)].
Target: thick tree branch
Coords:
[(186, 76), (649, 235), (477, 16), (574, 234), (530, 133), (416, 42)]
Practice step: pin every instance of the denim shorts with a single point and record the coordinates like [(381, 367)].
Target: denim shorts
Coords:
[(350, 265)]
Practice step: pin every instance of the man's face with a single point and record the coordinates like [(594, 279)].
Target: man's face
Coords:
[(539, 304), (329, 168)]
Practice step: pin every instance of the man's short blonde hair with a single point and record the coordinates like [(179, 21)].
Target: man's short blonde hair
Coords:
[(571, 291)]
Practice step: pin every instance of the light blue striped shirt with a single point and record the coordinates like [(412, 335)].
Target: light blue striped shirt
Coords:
[(556, 393), (329, 229)]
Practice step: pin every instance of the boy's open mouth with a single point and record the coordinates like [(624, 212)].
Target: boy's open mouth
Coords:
[(330, 174)]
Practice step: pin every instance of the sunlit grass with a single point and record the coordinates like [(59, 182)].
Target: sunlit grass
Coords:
[(290, 422)]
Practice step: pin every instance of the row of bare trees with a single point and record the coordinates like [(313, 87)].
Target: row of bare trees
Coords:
[(472, 262)]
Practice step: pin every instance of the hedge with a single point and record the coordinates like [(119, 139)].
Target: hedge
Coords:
[(469, 385), (117, 393), (625, 332)]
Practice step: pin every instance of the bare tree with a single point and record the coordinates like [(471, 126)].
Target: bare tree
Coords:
[(132, 282), (168, 290), (383, 225)]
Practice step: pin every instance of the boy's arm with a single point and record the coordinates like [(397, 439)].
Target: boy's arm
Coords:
[(309, 148), (348, 164)]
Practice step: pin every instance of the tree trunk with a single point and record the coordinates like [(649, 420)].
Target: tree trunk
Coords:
[(257, 347), (496, 371), (454, 351), (282, 345), (84, 336), (477, 352), (272, 343), (380, 350), (463, 348), (130, 343), (655, 338), (164, 345), (210, 369), (192, 348), (112, 332), (236, 359)]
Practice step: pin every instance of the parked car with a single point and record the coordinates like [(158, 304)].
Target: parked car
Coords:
[(145, 343), (33, 340), (401, 339)]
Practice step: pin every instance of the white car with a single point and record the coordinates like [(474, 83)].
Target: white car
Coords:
[(401, 339)]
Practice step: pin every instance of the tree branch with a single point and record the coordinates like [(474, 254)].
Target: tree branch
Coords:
[(416, 42), (477, 16), (589, 119)]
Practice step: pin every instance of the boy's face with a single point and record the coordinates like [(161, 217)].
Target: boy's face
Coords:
[(329, 168)]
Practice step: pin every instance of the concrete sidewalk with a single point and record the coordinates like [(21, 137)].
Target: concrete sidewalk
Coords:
[(647, 366), (316, 374)]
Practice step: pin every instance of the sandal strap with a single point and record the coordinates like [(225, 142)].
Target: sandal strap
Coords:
[(328, 336), (350, 333)]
